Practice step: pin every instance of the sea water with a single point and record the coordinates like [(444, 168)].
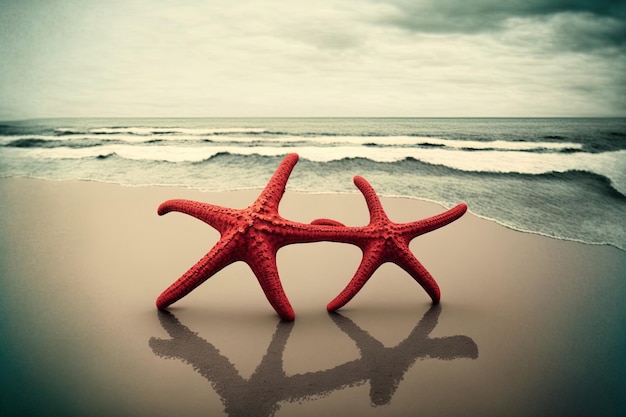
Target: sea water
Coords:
[(564, 178)]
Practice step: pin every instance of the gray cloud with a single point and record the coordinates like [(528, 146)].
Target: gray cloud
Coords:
[(577, 24), (338, 58)]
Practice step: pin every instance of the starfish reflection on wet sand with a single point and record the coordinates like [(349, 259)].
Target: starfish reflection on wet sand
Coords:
[(254, 235), (270, 385)]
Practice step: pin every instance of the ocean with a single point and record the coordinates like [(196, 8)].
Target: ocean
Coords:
[(563, 178)]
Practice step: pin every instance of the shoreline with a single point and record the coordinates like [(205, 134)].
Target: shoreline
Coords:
[(321, 193), (83, 262)]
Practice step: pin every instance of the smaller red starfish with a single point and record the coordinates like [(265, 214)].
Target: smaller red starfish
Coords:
[(385, 241)]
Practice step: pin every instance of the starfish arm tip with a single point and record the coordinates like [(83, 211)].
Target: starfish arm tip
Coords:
[(357, 179), (290, 160), (332, 307), (345, 296), (339, 301), (163, 208), (283, 308), (161, 303), (457, 211), (168, 206), (289, 316), (435, 293)]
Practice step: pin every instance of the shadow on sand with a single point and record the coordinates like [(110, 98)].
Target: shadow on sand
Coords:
[(261, 394)]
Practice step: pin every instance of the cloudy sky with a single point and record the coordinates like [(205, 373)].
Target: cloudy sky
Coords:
[(212, 58)]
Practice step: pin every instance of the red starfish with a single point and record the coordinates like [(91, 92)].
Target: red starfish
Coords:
[(385, 241), (254, 235)]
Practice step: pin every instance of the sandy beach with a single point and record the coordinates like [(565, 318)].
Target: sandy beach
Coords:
[(527, 325)]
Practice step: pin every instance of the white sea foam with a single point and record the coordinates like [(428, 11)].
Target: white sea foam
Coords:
[(261, 137), (145, 131), (609, 164)]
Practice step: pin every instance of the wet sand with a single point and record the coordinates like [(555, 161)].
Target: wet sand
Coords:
[(527, 325)]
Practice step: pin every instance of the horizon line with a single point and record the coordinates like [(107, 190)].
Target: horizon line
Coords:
[(307, 117)]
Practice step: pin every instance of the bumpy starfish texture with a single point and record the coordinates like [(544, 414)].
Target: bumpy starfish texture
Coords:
[(385, 241), (254, 235)]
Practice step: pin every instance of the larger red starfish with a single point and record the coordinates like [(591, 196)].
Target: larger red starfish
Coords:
[(254, 235)]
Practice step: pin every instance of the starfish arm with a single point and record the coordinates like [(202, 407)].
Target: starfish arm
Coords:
[(210, 214), (327, 222), (270, 196), (218, 257), (407, 261), (265, 269), (435, 222), (320, 230), (374, 205), (368, 266)]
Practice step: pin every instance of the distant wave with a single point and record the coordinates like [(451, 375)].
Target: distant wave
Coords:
[(30, 142), (148, 131), (156, 150), (236, 137), (33, 143)]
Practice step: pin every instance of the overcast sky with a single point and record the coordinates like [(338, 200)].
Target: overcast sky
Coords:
[(212, 58)]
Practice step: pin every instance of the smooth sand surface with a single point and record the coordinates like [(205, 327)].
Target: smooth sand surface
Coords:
[(527, 326)]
